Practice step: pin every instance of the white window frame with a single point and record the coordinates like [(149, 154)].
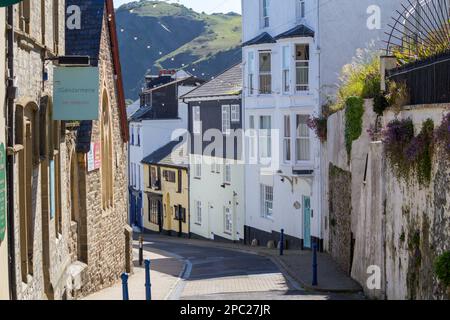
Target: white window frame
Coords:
[(299, 158), (227, 173), (138, 136), (265, 16), (226, 119), (196, 120), (253, 141), (302, 65), (132, 135), (198, 212), (286, 68), (228, 219), (300, 9), (197, 167), (235, 113), (265, 138), (266, 194), (267, 74), (287, 138), (251, 73)]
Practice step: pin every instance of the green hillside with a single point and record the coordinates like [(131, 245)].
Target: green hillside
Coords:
[(155, 35)]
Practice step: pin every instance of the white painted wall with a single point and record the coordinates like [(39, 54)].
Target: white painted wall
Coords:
[(341, 31), (214, 198), (285, 215), (155, 134)]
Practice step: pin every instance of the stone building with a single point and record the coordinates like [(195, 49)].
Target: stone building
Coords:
[(4, 278), (40, 221), (100, 236)]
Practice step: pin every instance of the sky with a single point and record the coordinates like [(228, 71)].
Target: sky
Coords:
[(209, 6)]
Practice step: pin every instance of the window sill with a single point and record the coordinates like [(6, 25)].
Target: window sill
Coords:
[(198, 224)]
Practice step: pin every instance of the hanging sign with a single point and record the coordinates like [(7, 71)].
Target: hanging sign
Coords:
[(2, 192), (76, 93), (94, 159), (5, 3)]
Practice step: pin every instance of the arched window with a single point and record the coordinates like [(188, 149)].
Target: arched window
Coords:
[(107, 153), (27, 135)]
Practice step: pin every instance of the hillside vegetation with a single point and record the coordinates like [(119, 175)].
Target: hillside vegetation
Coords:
[(155, 35)]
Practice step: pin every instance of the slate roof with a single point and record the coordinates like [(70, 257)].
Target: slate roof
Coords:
[(298, 31), (86, 41), (143, 113), (261, 39), (166, 156), (225, 84)]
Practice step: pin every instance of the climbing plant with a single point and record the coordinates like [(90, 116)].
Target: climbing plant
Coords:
[(442, 268), (442, 134), (396, 137), (406, 152), (354, 112)]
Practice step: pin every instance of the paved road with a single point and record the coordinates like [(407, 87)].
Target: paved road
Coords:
[(221, 274)]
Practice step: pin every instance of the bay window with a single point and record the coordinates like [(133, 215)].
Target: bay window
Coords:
[(303, 147), (251, 72), (265, 72), (287, 139), (286, 69), (252, 134), (265, 140), (302, 67)]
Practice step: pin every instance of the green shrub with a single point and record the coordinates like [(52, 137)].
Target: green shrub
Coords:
[(380, 103), (354, 112), (372, 85), (442, 268)]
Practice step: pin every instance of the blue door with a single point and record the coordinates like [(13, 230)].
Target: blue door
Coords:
[(307, 222), (132, 209)]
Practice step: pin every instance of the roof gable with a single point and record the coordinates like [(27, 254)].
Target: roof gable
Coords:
[(229, 83), (261, 39), (167, 157), (296, 32)]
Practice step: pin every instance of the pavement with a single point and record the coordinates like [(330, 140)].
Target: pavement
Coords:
[(165, 274), (190, 269)]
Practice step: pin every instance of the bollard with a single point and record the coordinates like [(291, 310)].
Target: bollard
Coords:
[(125, 286), (314, 282), (148, 285), (282, 242), (141, 250)]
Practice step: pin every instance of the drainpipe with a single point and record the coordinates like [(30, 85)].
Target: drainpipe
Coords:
[(10, 155)]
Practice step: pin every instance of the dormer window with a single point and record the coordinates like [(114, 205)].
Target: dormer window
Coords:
[(265, 21)]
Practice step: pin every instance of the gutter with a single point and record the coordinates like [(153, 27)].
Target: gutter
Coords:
[(10, 154)]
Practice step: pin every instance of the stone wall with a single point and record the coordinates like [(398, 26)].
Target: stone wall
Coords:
[(399, 226), (109, 238), (50, 250), (340, 198)]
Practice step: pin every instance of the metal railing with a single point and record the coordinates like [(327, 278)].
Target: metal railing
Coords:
[(428, 80)]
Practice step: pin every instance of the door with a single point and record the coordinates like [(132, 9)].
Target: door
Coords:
[(160, 216), (307, 222)]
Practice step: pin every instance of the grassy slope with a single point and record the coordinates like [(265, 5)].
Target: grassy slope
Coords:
[(208, 44)]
